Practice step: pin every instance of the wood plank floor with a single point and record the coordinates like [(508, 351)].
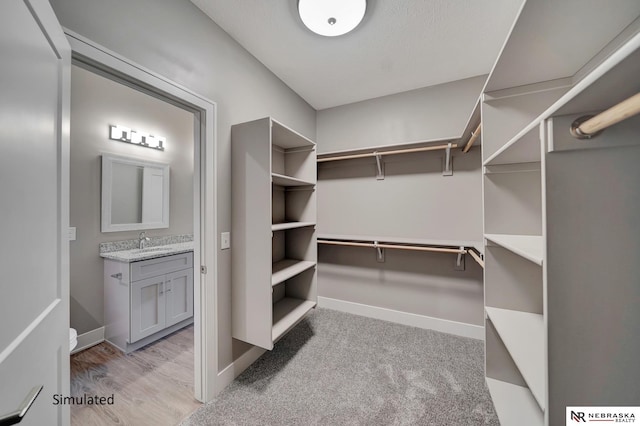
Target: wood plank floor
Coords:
[(151, 386)]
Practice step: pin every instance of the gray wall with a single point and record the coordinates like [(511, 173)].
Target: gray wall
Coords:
[(435, 112), (175, 39), (97, 102), (413, 201)]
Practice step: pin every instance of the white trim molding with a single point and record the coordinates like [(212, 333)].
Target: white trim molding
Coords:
[(88, 339), (405, 318), (205, 254), (233, 370)]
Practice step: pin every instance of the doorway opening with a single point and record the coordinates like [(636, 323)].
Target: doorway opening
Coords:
[(191, 150)]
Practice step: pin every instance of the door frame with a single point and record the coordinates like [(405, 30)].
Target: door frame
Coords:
[(205, 209)]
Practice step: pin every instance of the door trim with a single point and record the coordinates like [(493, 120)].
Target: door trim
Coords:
[(205, 194)]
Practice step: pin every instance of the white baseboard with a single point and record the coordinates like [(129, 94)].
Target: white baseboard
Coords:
[(234, 369), (88, 339), (404, 318)]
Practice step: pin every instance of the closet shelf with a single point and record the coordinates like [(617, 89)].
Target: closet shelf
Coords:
[(523, 336), (377, 153), (524, 147), (283, 180), (288, 312), (287, 138), (288, 268), (527, 246), (535, 167), (381, 245), (409, 241), (390, 147), (596, 90), (290, 225), (518, 63), (514, 403)]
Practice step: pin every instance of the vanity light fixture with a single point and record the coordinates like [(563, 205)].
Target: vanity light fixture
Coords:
[(125, 134), (331, 18)]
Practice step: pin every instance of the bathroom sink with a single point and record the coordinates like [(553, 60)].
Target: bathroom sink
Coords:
[(150, 250)]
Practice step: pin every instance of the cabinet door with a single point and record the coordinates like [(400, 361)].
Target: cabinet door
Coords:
[(147, 307), (179, 295)]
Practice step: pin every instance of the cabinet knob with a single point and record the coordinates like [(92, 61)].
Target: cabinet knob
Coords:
[(117, 276)]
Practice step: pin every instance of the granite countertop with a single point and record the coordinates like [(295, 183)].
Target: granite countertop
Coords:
[(134, 255)]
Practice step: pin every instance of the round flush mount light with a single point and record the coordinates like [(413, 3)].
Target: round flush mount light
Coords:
[(331, 17)]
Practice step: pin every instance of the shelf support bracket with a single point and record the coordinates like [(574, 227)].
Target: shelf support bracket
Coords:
[(447, 168), (380, 252), (460, 261), (380, 164)]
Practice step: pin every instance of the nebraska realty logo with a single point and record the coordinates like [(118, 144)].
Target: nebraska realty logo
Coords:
[(602, 414)]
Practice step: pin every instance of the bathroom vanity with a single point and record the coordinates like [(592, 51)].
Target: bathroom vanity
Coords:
[(148, 294)]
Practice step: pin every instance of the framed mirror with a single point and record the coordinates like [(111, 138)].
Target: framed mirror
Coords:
[(135, 194)]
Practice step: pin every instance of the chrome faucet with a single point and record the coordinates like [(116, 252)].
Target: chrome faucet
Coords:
[(142, 239)]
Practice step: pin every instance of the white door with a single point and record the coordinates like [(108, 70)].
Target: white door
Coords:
[(34, 122)]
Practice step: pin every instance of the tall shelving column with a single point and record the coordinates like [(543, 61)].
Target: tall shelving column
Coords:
[(513, 217), (514, 233), (274, 278), (547, 301)]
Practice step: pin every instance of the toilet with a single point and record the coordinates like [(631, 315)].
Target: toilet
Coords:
[(73, 339)]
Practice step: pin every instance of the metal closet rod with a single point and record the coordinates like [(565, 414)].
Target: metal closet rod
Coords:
[(394, 152), (394, 246), (587, 126), (472, 139)]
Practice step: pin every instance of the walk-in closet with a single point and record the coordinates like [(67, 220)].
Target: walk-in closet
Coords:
[(408, 212)]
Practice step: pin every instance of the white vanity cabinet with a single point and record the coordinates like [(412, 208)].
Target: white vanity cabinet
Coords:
[(147, 300)]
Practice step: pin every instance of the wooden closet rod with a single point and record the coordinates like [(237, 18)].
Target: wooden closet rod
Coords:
[(473, 138), (397, 151), (585, 127), (394, 246), (476, 257)]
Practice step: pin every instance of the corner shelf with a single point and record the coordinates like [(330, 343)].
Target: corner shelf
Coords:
[(523, 336), (514, 404), (527, 246), (288, 268)]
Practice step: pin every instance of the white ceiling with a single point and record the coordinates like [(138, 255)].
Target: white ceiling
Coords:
[(400, 45)]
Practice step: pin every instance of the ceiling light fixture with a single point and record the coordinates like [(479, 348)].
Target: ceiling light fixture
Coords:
[(331, 18)]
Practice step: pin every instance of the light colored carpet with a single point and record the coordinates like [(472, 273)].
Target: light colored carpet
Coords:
[(341, 369)]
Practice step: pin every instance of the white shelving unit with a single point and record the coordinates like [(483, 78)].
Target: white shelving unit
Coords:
[(274, 258), (558, 213)]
